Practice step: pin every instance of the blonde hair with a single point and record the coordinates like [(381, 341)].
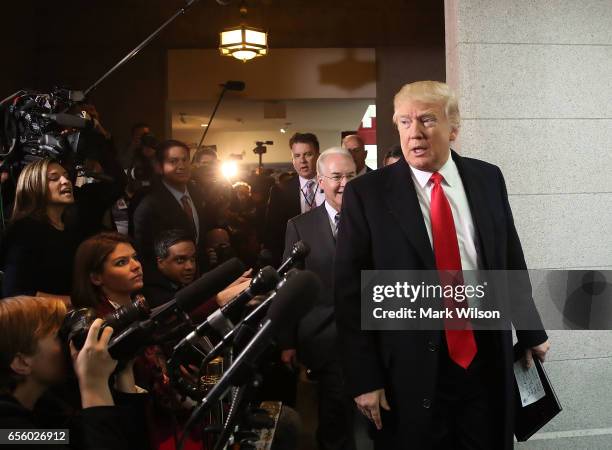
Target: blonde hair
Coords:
[(430, 92), (31, 192), (24, 321)]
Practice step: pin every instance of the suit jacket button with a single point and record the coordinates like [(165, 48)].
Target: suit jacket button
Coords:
[(432, 347), (426, 403)]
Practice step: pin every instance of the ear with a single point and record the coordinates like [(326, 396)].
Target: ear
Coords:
[(95, 279), (21, 364), (160, 263), (453, 134)]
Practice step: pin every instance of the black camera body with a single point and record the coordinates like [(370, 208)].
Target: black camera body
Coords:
[(128, 332), (36, 125), (261, 148)]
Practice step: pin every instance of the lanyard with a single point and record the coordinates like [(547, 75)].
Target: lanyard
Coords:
[(310, 203)]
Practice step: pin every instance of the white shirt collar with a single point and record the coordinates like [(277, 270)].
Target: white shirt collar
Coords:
[(331, 212), (303, 181), (448, 171), (178, 195)]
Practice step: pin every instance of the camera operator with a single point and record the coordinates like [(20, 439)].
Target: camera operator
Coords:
[(32, 360), (137, 131)]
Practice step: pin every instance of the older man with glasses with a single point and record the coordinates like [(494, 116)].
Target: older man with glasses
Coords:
[(313, 341)]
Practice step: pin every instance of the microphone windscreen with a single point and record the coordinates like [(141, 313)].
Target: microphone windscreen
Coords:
[(234, 85), (265, 280), (69, 120), (209, 284), (300, 249), (294, 298)]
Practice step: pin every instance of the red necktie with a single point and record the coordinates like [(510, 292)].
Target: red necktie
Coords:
[(461, 343)]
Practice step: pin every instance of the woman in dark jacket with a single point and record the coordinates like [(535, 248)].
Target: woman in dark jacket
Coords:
[(47, 226)]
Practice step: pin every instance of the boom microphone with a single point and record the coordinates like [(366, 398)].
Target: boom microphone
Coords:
[(234, 85), (69, 120)]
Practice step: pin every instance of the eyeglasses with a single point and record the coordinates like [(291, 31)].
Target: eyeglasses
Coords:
[(338, 178)]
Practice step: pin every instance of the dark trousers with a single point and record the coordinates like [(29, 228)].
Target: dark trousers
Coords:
[(464, 415), (336, 410)]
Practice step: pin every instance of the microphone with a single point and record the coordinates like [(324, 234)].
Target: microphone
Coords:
[(126, 343), (222, 319), (264, 258), (234, 85), (299, 251), (209, 284), (69, 120), (292, 301), (204, 287), (233, 336)]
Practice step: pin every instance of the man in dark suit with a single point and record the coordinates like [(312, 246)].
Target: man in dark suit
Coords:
[(431, 210), (295, 196), (170, 204), (355, 145), (175, 268), (315, 336)]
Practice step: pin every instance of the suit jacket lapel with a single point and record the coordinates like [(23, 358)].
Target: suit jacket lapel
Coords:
[(404, 206), (327, 237), (474, 190)]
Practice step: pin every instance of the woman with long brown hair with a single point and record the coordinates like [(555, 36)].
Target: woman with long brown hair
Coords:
[(38, 247), (107, 273), (50, 218)]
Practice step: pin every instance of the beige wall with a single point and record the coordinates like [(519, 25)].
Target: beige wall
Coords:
[(535, 83), (283, 74)]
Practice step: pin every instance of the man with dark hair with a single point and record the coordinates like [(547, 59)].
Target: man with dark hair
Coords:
[(176, 267), (170, 204), (298, 195)]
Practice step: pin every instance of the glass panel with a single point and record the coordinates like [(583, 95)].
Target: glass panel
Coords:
[(256, 37), (231, 37)]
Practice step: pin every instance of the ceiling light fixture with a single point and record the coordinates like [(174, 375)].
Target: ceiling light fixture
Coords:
[(243, 42)]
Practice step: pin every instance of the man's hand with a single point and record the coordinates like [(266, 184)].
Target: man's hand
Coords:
[(539, 351), (370, 403), (231, 291), (289, 358)]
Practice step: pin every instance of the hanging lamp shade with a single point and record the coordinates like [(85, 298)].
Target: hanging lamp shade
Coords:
[(243, 42)]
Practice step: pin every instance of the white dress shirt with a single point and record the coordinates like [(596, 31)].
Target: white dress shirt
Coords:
[(319, 196), (178, 195), (462, 216)]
